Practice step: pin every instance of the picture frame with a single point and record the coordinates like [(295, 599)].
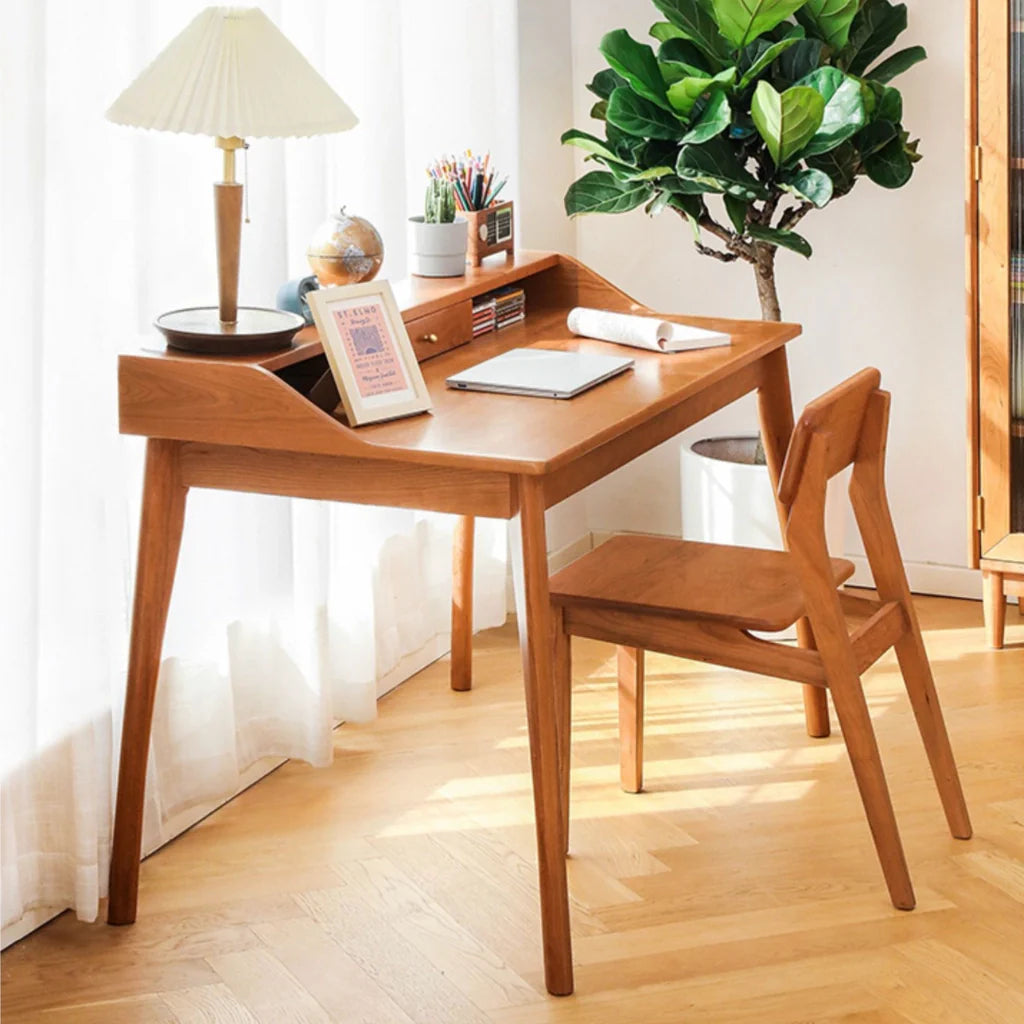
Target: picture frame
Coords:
[(369, 352)]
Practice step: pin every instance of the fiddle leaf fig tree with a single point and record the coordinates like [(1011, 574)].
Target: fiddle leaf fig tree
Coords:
[(744, 117)]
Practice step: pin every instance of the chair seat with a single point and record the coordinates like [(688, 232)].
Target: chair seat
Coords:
[(745, 587)]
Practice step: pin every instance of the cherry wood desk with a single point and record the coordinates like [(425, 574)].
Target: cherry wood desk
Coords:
[(247, 424)]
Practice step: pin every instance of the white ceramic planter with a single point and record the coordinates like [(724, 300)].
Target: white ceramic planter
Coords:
[(437, 250), (728, 499)]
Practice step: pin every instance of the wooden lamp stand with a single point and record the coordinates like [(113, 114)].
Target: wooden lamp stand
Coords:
[(226, 329)]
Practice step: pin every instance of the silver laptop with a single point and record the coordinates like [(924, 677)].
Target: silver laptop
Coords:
[(543, 372)]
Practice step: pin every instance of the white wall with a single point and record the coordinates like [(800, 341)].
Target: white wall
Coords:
[(885, 287)]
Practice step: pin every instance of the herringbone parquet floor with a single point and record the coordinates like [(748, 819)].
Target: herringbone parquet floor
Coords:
[(398, 886)]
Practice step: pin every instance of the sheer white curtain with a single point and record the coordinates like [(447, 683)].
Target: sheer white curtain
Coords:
[(287, 615)]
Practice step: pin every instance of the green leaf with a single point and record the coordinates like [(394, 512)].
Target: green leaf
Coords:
[(636, 63), (682, 186), (766, 55), (840, 164), (682, 51), (696, 24), (844, 113), (874, 137), (626, 146), (684, 94), (831, 19), (784, 239), (875, 29), (895, 65), (636, 116), (742, 21), (737, 210), (672, 72), (663, 31), (588, 143), (599, 192), (801, 59), (890, 107), (649, 173), (786, 121), (599, 111), (813, 185), (890, 167), (657, 204), (713, 120), (692, 205), (605, 83), (715, 167)]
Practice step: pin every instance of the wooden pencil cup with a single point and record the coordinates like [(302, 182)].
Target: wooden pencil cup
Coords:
[(490, 231)]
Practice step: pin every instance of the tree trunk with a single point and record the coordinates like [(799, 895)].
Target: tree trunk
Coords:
[(764, 271)]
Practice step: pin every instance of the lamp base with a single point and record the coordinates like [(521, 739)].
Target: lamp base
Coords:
[(200, 330)]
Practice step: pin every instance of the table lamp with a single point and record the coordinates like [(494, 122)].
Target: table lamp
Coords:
[(231, 74)]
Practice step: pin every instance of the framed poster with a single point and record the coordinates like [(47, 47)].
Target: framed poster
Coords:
[(369, 352)]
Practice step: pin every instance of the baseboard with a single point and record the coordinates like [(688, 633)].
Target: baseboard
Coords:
[(927, 578)]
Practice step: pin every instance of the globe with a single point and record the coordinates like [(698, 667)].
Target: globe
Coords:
[(345, 250)]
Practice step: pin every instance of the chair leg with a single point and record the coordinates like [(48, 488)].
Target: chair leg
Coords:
[(630, 668), (563, 713), (917, 676), (995, 608), (859, 736), (816, 717)]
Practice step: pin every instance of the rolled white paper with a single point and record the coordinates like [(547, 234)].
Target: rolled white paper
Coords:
[(642, 331)]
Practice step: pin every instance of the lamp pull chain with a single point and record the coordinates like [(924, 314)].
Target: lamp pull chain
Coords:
[(245, 175)]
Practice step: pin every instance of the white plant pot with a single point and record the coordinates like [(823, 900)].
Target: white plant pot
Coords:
[(728, 499), (437, 250)]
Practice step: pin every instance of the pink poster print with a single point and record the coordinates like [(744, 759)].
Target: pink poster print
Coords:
[(375, 361)]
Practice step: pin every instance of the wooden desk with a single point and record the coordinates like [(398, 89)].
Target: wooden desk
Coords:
[(245, 424)]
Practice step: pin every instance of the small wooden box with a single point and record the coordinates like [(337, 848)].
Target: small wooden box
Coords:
[(490, 231)]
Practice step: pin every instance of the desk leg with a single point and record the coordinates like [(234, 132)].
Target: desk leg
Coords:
[(163, 515), (528, 545), (775, 405), (462, 604)]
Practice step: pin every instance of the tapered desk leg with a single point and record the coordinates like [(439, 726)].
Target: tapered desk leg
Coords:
[(163, 515), (462, 604), (775, 405), (530, 569)]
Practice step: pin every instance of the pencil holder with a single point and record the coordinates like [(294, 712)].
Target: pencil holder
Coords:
[(490, 231)]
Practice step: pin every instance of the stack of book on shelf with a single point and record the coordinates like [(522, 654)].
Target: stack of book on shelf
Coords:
[(483, 315), (510, 306), (498, 309)]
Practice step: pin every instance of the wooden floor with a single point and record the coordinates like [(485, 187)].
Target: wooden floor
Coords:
[(398, 886)]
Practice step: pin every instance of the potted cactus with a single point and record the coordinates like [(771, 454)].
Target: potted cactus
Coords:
[(438, 238)]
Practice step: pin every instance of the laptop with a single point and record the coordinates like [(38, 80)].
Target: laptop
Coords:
[(542, 372)]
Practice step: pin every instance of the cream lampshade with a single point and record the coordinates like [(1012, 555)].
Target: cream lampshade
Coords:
[(231, 74)]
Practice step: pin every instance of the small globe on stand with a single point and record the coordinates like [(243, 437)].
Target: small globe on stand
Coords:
[(345, 250)]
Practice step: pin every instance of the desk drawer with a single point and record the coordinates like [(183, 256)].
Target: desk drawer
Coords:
[(437, 332)]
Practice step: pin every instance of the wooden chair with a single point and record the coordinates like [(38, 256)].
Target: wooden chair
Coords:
[(702, 600)]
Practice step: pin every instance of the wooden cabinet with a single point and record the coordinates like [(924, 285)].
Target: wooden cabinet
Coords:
[(995, 286)]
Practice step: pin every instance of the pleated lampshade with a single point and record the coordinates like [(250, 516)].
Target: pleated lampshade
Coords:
[(231, 72)]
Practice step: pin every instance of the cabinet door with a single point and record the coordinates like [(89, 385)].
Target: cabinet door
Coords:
[(1001, 267)]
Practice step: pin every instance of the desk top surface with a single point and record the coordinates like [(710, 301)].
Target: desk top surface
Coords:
[(549, 431), (203, 399)]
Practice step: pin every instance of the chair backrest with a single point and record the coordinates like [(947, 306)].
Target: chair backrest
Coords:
[(836, 420)]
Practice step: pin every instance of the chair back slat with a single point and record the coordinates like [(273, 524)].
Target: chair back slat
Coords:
[(838, 416)]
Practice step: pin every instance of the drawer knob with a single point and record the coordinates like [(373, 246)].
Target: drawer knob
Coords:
[(430, 338)]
